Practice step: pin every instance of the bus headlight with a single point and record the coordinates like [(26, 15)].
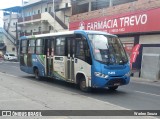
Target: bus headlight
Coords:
[(98, 74), (127, 74)]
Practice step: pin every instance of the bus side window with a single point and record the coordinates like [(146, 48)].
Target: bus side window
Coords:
[(60, 46), (82, 49), (88, 58), (80, 53), (31, 46), (23, 50), (23, 46), (40, 46)]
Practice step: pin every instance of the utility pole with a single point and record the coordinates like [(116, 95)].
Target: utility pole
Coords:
[(22, 9), (17, 41), (110, 3), (54, 15), (22, 15)]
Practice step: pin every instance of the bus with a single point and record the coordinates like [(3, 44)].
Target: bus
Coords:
[(90, 59)]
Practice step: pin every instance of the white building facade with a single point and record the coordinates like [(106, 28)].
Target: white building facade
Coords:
[(37, 16)]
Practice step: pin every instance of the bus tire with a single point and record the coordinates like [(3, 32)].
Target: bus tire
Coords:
[(36, 74), (82, 85), (113, 88)]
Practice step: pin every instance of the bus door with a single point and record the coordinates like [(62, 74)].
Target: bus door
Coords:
[(50, 55), (70, 59)]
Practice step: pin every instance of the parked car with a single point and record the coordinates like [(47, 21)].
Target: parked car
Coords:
[(10, 57)]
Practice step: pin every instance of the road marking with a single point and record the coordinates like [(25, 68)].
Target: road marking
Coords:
[(8, 62), (123, 108), (147, 83), (9, 74), (148, 93), (15, 66)]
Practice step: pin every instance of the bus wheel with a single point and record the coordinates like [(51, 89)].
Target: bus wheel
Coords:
[(36, 74), (113, 88), (82, 85)]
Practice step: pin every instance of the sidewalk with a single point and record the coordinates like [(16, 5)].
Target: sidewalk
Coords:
[(146, 81), (7, 61)]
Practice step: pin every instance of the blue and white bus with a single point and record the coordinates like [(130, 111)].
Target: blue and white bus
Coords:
[(91, 59)]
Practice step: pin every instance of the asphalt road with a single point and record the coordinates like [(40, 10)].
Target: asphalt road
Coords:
[(135, 96)]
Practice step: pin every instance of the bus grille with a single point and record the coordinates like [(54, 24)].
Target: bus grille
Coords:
[(117, 81)]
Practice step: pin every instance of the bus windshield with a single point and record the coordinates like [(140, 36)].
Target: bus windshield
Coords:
[(108, 49)]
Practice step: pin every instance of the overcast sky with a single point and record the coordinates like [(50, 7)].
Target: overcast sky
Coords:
[(7, 4)]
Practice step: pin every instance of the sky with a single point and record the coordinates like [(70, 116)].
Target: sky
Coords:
[(7, 4)]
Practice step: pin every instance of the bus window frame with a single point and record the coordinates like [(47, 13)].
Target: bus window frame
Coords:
[(85, 45), (41, 46), (31, 46), (26, 46), (64, 46), (46, 45)]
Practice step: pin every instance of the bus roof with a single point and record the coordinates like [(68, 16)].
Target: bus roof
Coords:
[(67, 33)]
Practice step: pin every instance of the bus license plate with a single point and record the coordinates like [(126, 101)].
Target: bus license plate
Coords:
[(116, 84)]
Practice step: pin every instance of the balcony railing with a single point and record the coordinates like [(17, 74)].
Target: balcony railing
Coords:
[(34, 33), (27, 18), (37, 16), (20, 19), (34, 17)]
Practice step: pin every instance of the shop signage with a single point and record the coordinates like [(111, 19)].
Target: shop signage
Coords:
[(140, 21), (134, 54)]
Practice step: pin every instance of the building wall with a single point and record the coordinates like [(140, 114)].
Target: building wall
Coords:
[(148, 36), (119, 9), (150, 68), (46, 7), (32, 10), (149, 39), (10, 48), (35, 27), (12, 20), (63, 13)]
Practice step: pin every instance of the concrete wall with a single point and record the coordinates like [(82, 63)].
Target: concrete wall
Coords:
[(151, 50), (64, 15), (149, 39), (50, 19), (150, 68)]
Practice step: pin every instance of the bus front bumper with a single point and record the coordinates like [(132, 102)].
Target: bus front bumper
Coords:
[(98, 82)]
